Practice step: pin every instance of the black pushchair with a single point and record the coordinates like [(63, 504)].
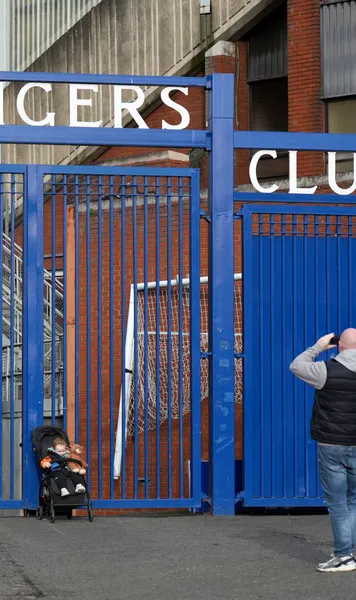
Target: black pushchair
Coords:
[(50, 500)]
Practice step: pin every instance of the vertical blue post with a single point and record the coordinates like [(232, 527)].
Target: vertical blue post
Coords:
[(221, 295), (32, 353)]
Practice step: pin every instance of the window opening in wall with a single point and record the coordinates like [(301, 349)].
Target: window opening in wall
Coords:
[(268, 111), (341, 118)]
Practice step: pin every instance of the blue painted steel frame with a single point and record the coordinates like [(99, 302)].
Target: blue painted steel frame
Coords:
[(252, 336), (104, 136), (221, 296), (195, 430), (219, 140), (33, 333)]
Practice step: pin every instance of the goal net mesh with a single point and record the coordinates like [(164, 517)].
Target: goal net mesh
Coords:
[(160, 385)]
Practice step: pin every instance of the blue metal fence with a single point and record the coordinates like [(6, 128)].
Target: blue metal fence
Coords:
[(112, 268), (299, 265), (135, 402)]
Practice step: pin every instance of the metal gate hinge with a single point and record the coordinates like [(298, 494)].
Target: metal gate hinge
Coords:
[(205, 354), (237, 215), (204, 215), (239, 355)]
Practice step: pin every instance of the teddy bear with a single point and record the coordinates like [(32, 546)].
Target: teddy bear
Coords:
[(78, 453)]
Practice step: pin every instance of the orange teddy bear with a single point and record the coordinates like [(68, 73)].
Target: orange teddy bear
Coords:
[(78, 453)]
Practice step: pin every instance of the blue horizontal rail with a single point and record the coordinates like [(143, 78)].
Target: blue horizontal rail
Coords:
[(105, 79), (269, 198), (123, 171), (298, 210), (12, 504), (275, 140), (104, 136), (285, 502), (146, 503)]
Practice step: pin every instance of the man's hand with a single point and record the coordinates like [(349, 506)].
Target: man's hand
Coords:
[(47, 465), (324, 341)]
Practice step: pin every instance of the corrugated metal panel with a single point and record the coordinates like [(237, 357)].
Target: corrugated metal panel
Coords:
[(154, 37), (36, 25), (268, 51), (287, 277), (338, 43)]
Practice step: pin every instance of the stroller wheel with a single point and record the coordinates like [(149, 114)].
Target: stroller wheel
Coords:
[(69, 514), (90, 514), (39, 512), (52, 514)]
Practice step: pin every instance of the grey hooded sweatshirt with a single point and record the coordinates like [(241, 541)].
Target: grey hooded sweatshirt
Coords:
[(314, 372)]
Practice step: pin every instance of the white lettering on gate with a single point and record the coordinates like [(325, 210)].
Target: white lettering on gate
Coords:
[(293, 184), (131, 107), (20, 104), (74, 102), (120, 107)]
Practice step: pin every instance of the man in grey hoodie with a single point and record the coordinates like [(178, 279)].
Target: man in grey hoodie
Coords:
[(333, 426)]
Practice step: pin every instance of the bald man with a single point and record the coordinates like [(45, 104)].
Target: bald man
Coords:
[(333, 426)]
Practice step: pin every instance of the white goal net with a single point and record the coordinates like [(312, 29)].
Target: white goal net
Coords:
[(158, 387)]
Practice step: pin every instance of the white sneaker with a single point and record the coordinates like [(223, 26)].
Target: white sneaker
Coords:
[(338, 563), (79, 488), (64, 492)]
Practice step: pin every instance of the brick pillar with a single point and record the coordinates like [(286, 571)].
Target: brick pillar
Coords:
[(305, 109), (220, 58), (242, 157)]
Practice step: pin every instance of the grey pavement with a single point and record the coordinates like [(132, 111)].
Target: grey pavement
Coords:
[(194, 557)]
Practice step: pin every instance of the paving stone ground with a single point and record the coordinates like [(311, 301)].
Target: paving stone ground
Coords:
[(196, 557)]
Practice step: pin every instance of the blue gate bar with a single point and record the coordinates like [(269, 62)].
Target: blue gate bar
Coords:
[(53, 299), (276, 358), (104, 136), (158, 352), (246, 198), (112, 339), (136, 363), (287, 345), (124, 358), (88, 321), (169, 331), (221, 295), (32, 355), (76, 259), (65, 311), (180, 334), (1, 321), (146, 327), (100, 333), (309, 326), (276, 140), (194, 329), (12, 341), (104, 79)]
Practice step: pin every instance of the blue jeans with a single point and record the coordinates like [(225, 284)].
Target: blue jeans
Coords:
[(337, 468)]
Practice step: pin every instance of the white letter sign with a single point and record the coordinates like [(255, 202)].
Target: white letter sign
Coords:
[(48, 120), (166, 99), (332, 176), (74, 102), (131, 107), (253, 174), (293, 186)]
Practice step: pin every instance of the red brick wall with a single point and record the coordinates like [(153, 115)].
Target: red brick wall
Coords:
[(306, 110)]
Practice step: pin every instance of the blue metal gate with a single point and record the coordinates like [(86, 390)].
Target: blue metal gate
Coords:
[(126, 327), (299, 265), (50, 375), (100, 273)]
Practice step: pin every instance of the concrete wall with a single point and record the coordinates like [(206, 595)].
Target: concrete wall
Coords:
[(154, 37)]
